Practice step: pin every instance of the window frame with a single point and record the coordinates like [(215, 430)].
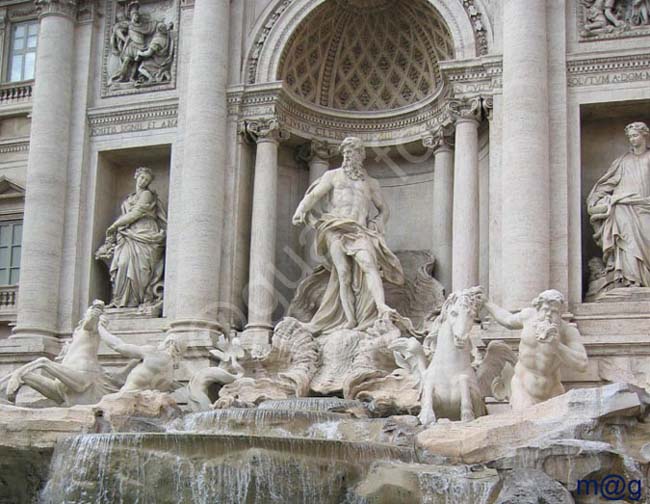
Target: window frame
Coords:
[(9, 52), (11, 246)]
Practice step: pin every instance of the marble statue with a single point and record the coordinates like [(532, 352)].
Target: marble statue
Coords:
[(619, 210), (350, 235), (547, 343), (450, 386), (285, 371), (145, 47), (228, 352), (75, 377), (155, 363), (134, 248)]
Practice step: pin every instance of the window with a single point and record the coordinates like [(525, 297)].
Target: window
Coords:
[(22, 56), (11, 236)]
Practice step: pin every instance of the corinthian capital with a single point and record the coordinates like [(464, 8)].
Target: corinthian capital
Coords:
[(470, 109), (441, 137), (266, 130), (66, 8), (305, 153)]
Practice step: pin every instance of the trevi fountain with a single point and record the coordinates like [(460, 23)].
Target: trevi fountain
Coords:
[(324, 251)]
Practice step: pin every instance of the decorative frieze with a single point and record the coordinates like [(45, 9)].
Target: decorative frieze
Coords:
[(608, 70), (610, 19), (480, 34), (254, 58), (116, 122), (14, 146), (140, 50), (468, 78)]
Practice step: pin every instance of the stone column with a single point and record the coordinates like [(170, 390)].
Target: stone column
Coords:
[(261, 291), (525, 167), (443, 202), (200, 214), (316, 155), (465, 244), (47, 172), (319, 162)]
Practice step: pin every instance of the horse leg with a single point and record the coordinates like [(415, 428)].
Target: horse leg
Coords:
[(466, 408), (75, 380), (16, 379), (427, 415), (45, 386)]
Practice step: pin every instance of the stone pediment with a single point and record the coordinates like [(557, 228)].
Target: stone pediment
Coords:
[(10, 189)]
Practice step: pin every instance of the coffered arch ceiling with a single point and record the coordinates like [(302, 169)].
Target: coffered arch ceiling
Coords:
[(367, 55)]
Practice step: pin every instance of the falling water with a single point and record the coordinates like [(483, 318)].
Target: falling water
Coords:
[(197, 468), (317, 404), (282, 423)]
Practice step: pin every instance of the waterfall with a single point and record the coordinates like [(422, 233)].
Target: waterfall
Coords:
[(209, 468)]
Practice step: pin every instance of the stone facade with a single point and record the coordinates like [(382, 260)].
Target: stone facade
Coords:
[(487, 124)]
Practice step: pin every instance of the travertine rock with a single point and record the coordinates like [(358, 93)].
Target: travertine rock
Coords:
[(529, 486), (574, 415)]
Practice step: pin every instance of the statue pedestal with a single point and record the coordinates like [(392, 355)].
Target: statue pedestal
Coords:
[(148, 312), (623, 295)]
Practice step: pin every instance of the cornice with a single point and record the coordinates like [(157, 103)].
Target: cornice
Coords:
[(592, 70)]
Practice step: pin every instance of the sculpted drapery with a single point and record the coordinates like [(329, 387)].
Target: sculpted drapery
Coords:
[(619, 207), (339, 206), (135, 245)]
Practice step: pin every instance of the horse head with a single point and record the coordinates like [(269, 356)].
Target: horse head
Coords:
[(459, 312)]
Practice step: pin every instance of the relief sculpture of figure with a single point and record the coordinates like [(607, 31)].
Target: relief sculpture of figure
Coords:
[(600, 16), (134, 247), (547, 342), (155, 61), (144, 47), (350, 235), (619, 210)]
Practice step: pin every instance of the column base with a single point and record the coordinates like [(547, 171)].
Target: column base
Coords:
[(25, 347), (256, 338), (197, 333)]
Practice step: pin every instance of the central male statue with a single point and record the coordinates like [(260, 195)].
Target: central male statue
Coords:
[(350, 235)]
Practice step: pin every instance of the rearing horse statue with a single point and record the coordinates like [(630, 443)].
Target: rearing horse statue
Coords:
[(450, 386)]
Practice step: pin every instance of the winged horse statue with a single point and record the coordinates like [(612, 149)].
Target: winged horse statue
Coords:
[(451, 385)]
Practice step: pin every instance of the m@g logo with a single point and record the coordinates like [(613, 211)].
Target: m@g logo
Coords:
[(612, 487)]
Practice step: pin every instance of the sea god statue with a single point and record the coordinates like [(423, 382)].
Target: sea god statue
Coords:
[(350, 234)]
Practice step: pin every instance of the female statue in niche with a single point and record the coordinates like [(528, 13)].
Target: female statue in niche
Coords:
[(134, 248), (619, 210)]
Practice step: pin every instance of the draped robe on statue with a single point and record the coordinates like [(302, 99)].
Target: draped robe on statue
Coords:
[(137, 265), (354, 239), (624, 235)]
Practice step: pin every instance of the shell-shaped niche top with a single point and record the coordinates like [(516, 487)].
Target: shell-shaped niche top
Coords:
[(367, 55)]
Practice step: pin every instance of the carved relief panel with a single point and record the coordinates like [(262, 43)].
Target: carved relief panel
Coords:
[(604, 19), (140, 52)]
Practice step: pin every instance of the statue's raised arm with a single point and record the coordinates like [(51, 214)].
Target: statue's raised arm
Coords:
[(349, 235)]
